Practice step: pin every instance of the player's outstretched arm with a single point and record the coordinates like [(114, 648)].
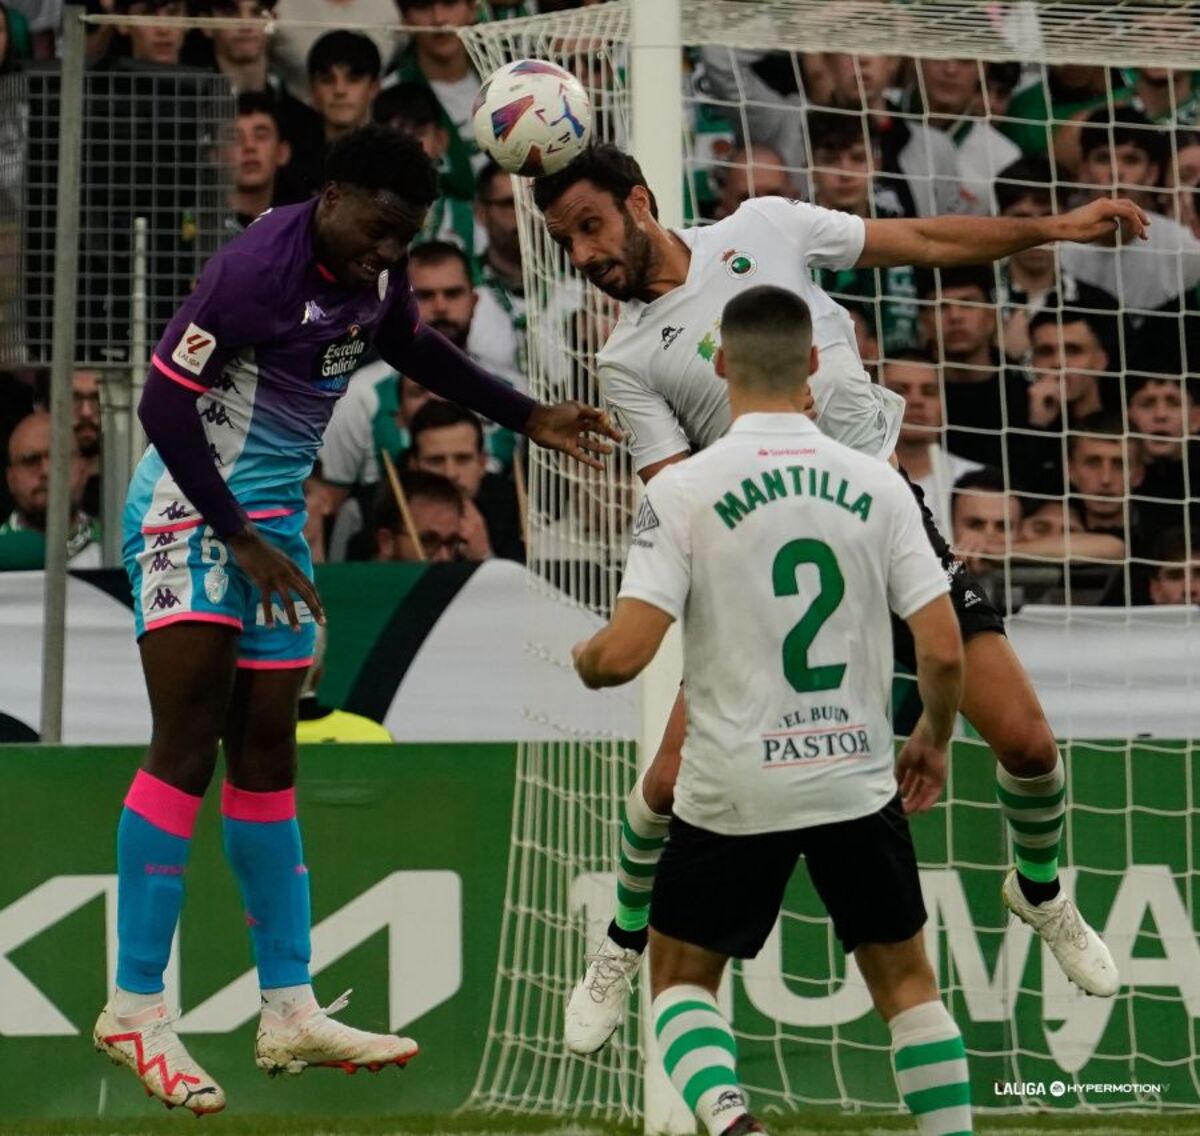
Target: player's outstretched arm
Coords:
[(426, 355), (943, 242), (921, 766), (621, 650)]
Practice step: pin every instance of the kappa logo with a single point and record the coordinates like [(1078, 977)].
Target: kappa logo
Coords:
[(164, 600), (669, 335), (215, 413), (195, 348), (739, 264), (175, 511), (163, 539), (646, 518), (312, 312), (161, 563)]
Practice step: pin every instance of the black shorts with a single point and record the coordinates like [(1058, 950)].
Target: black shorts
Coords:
[(724, 893), (976, 613)]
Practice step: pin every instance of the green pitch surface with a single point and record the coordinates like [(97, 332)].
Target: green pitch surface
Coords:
[(813, 1125)]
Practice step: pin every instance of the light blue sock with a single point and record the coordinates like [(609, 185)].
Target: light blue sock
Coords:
[(154, 836), (262, 841)]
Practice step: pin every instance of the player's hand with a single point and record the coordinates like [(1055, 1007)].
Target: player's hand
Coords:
[(1045, 400), (921, 770), (1100, 220), (274, 574), (577, 430)]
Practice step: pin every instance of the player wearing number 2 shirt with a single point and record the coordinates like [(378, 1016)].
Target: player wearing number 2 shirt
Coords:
[(656, 372)]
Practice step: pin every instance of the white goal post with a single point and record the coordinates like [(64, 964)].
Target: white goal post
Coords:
[(806, 1036)]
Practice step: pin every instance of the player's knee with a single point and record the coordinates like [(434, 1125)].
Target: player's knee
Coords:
[(1028, 749), (185, 766)]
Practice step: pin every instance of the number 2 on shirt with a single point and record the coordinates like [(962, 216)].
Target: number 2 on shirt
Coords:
[(807, 679)]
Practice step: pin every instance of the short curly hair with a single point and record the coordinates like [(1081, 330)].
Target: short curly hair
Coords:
[(375, 158)]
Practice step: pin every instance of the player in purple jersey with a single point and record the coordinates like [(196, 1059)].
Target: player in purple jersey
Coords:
[(240, 390)]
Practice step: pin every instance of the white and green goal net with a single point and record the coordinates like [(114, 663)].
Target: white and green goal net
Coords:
[(927, 104)]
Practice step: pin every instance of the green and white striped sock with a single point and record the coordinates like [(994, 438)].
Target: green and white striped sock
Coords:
[(1035, 808), (699, 1054), (931, 1069), (643, 834)]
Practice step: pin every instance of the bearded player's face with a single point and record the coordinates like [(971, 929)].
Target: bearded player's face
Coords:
[(603, 238)]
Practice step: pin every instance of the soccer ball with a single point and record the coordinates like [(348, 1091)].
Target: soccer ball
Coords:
[(532, 117)]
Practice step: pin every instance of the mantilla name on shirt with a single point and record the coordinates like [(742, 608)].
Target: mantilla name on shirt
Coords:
[(790, 481)]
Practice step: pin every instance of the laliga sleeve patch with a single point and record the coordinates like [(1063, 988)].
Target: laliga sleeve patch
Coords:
[(195, 349)]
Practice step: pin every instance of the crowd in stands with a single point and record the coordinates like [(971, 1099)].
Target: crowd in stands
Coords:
[(1053, 400)]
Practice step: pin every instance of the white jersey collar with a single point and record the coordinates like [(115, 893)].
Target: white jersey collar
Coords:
[(759, 423)]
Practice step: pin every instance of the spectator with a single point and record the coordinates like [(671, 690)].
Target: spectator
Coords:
[(844, 158), (28, 477), (1102, 469), (259, 154), (448, 439), (1175, 577), (343, 73), (153, 43), (16, 401), (440, 60), (87, 426), (16, 43), (952, 93), (1068, 89), (440, 275), (240, 53), (412, 108), (437, 509), (983, 394), (1033, 279), (1127, 157), (919, 161), (914, 376), (317, 724), (498, 330), (1000, 80), (754, 171), (986, 516), (1164, 428), (291, 45), (1166, 97), (1071, 352), (1049, 517)]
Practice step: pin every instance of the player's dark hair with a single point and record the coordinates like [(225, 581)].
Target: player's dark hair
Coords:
[(1005, 75), (416, 483), (430, 253), (1137, 382), (352, 50), (413, 105), (978, 276), (1120, 127), (838, 132), (1026, 179), (259, 102), (606, 166), (375, 158), (438, 414), (766, 333)]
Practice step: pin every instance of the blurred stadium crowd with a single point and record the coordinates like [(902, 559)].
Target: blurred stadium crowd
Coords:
[(1053, 400)]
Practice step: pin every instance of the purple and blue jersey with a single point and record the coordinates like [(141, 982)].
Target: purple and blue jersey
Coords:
[(268, 341)]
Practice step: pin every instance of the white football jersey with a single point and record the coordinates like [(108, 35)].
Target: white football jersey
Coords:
[(656, 370), (783, 552)]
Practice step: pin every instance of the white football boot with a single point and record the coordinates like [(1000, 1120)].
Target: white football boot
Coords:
[(597, 1004), (148, 1045), (309, 1036), (1079, 950)]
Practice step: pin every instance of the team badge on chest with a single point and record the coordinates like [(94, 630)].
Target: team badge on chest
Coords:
[(739, 264)]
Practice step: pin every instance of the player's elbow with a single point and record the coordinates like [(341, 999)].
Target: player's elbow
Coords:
[(940, 658)]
